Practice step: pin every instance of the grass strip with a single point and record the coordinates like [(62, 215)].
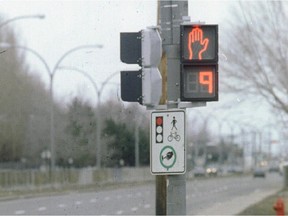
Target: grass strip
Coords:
[(265, 207)]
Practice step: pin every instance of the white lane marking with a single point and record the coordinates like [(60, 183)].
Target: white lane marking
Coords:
[(42, 208), (61, 205), (19, 212), (107, 198), (146, 206), (120, 212), (78, 202), (134, 209), (93, 200)]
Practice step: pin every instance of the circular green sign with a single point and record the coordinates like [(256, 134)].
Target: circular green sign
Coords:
[(170, 155)]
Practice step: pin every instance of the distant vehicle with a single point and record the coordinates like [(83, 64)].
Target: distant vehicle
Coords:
[(199, 171), (259, 172), (274, 168), (281, 166), (212, 171), (235, 169)]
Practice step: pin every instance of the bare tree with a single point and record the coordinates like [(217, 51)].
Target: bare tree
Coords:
[(23, 105), (255, 45)]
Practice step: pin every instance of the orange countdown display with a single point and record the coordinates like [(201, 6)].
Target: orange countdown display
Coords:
[(206, 79), (200, 83)]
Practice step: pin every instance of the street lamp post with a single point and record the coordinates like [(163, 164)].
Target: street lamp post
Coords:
[(52, 129), (51, 74), (99, 119), (139, 121), (37, 16)]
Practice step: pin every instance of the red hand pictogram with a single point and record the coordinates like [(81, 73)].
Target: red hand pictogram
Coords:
[(196, 41)]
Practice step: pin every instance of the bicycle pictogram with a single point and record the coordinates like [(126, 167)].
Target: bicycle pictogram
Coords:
[(174, 135)]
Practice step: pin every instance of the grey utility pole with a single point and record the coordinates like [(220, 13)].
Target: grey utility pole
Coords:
[(170, 16)]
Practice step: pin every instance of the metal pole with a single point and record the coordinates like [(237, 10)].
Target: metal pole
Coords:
[(171, 13), (99, 121), (161, 194), (98, 132), (176, 195), (51, 77), (254, 153), (160, 187), (98, 114), (37, 16), (243, 147), (52, 144), (56, 67), (269, 145), (137, 144)]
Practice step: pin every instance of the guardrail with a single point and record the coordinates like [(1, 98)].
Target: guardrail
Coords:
[(30, 179)]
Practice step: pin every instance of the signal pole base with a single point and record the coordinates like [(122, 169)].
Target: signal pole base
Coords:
[(176, 195)]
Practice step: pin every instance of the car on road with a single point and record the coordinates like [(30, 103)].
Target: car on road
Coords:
[(235, 170), (212, 171), (274, 168), (259, 172), (199, 171)]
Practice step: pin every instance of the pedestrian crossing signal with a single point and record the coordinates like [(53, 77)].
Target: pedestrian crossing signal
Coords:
[(199, 62), (199, 43)]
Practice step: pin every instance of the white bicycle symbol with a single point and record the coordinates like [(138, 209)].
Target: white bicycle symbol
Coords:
[(173, 136)]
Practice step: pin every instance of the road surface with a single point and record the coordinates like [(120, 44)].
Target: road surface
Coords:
[(227, 195)]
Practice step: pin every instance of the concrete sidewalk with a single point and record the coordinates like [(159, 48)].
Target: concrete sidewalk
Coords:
[(235, 206)]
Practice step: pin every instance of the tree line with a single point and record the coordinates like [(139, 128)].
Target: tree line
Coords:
[(25, 121)]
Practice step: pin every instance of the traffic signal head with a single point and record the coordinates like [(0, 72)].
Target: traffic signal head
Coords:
[(199, 62), (145, 49), (143, 86), (130, 47), (199, 43), (131, 86)]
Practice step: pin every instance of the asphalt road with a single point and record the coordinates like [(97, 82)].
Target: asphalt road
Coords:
[(202, 195), (229, 195)]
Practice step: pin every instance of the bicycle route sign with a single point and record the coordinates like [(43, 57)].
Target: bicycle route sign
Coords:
[(167, 144)]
